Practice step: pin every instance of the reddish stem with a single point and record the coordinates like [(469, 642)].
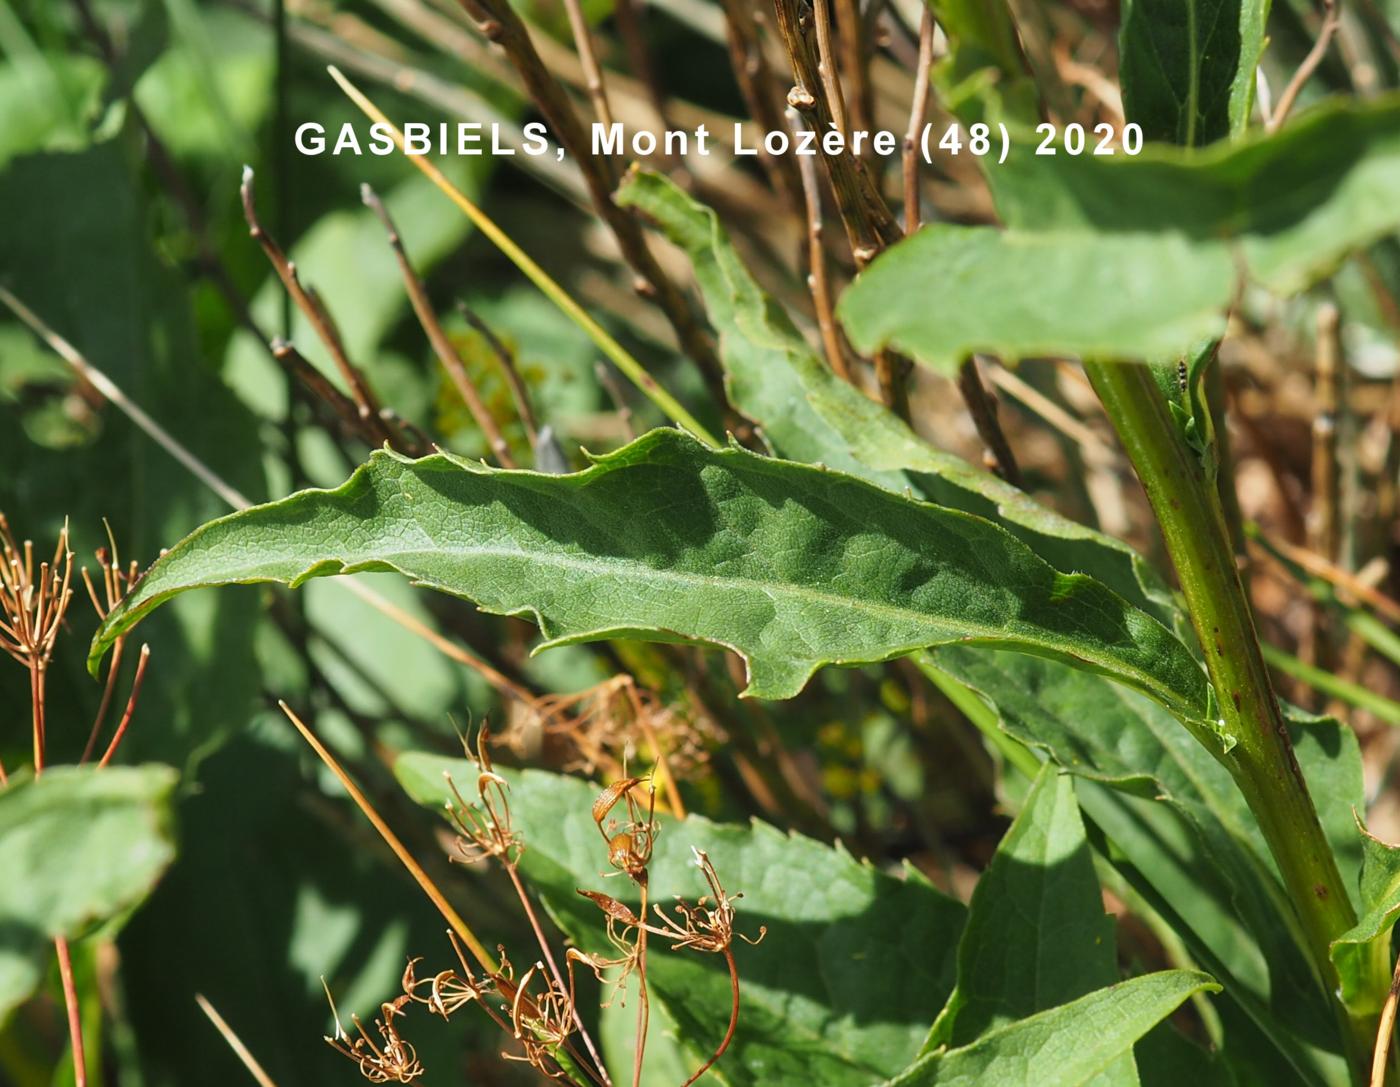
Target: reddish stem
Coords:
[(733, 1020), (130, 706), (644, 1003), (36, 704), (75, 1020), (108, 690), (554, 969)]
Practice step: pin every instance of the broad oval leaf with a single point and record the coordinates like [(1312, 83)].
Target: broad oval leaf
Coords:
[(77, 846), (791, 566), (839, 992)]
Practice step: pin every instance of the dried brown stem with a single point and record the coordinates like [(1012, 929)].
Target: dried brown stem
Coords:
[(869, 223), (447, 354), (892, 377), (538, 930), (315, 311), (592, 71), (235, 1043), (827, 68), (817, 279), (498, 22), (1331, 20), (761, 95), (518, 390), (982, 406), (918, 109), (855, 62), (629, 29), (1345, 581), (643, 1000), (324, 391), (109, 689)]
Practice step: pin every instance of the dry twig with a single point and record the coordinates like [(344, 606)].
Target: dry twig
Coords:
[(442, 346)]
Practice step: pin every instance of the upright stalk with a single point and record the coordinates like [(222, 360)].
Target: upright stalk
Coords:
[(1262, 761)]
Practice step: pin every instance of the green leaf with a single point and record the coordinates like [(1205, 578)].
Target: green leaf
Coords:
[(1380, 907), (1135, 257), (1187, 69), (1067, 1046), (791, 566), (984, 65), (806, 413), (1019, 294), (839, 992), (77, 846), (1036, 934), (81, 257), (1180, 831)]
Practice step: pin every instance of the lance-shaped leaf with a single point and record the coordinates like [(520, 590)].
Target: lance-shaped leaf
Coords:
[(1068, 1046), (1187, 69), (791, 566), (1135, 257), (841, 989), (1036, 934), (806, 413), (77, 846)]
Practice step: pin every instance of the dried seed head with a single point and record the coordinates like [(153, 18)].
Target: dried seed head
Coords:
[(630, 845), (708, 925), (600, 727), (443, 993), (33, 599), (485, 824), (393, 1060), (541, 1020), (607, 800)]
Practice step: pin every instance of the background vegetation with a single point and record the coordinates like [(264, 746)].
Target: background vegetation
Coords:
[(125, 127)]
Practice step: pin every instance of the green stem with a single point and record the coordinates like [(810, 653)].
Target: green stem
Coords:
[(1262, 761)]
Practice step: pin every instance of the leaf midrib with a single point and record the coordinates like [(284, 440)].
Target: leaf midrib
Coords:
[(977, 632)]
